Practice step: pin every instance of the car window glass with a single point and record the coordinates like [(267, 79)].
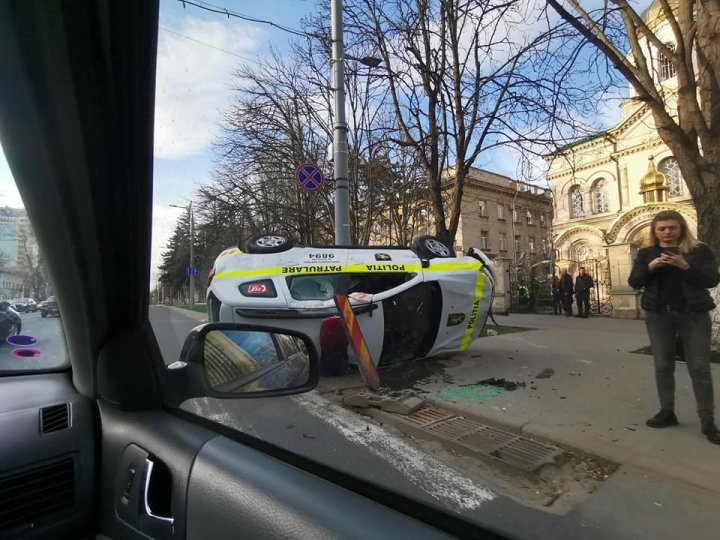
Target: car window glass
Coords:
[(236, 239), (31, 333)]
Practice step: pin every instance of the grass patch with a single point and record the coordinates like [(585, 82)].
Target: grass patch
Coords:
[(503, 329), (479, 393), (199, 308), (714, 355)]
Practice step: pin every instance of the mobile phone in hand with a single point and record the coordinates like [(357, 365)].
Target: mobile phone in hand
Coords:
[(673, 250)]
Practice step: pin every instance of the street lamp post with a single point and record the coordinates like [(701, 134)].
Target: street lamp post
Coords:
[(192, 257), (340, 149), (340, 128)]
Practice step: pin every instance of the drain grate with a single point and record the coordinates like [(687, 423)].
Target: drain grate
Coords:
[(426, 416), (514, 450)]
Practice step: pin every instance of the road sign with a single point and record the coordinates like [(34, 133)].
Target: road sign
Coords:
[(309, 177), (191, 271)]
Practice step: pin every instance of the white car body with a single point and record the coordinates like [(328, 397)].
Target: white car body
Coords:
[(431, 306)]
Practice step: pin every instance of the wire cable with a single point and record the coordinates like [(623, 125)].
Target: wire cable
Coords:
[(228, 13), (178, 34)]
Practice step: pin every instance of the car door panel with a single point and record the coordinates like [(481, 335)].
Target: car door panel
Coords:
[(129, 438), (222, 488), (236, 490)]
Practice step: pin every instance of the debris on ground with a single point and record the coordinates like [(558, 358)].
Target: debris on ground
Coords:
[(491, 332), (403, 402), (502, 383), (545, 373)]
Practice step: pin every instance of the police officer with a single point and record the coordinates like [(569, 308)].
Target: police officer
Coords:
[(583, 284)]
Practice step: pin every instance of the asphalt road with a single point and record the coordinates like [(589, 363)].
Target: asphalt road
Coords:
[(50, 351), (317, 428)]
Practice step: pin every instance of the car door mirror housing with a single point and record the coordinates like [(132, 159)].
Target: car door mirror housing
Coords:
[(228, 360)]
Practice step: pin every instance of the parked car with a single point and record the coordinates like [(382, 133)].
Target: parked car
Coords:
[(49, 307), (10, 321), (24, 305), (409, 302)]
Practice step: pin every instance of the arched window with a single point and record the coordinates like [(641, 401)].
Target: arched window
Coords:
[(670, 168), (600, 202), (577, 204), (667, 68)]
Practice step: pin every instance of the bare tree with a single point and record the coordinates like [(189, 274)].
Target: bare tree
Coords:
[(453, 73), (687, 121)]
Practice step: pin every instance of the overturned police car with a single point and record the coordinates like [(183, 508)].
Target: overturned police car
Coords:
[(409, 302)]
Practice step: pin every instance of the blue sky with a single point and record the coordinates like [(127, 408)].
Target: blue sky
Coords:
[(197, 53)]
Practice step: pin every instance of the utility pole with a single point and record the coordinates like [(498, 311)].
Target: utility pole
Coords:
[(340, 147), (192, 257)]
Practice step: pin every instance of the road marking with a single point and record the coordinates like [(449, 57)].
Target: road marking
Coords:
[(431, 475)]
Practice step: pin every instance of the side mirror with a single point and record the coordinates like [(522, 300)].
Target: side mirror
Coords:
[(226, 360)]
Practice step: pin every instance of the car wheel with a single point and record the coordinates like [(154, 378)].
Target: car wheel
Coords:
[(268, 243), (429, 247), (43, 314)]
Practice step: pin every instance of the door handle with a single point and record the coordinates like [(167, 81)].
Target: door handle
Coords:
[(148, 485)]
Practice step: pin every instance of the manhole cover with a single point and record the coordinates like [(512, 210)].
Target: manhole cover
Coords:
[(509, 448)]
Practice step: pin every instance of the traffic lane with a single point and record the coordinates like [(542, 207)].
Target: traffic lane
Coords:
[(50, 348), (171, 327)]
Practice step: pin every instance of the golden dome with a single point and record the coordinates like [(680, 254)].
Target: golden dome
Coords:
[(653, 180)]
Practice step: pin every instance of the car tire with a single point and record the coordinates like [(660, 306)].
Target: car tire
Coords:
[(43, 314), (429, 247), (268, 243)]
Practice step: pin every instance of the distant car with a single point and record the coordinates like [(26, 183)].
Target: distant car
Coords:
[(24, 305), (10, 322), (49, 308), (409, 302)]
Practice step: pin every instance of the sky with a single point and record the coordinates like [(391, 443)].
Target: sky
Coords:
[(197, 54)]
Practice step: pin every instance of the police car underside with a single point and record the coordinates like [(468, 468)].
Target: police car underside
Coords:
[(406, 307)]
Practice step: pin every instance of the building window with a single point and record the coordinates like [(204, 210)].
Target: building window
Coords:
[(529, 217), (516, 219), (501, 211), (544, 246), (667, 68), (484, 240), (577, 204), (482, 208), (531, 244), (503, 242), (517, 242), (543, 220), (600, 197), (670, 168)]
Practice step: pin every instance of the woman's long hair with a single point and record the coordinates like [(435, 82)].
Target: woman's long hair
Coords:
[(687, 240)]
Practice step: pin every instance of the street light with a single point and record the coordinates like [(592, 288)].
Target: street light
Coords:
[(340, 129), (189, 208)]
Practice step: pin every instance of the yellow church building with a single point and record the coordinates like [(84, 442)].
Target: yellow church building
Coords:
[(608, 187)]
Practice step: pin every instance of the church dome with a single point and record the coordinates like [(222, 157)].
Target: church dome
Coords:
[(653, 180)]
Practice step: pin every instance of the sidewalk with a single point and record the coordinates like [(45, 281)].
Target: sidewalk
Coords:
[(596, 401)]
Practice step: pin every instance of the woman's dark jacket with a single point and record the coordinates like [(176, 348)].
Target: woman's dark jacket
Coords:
[(696, 280)]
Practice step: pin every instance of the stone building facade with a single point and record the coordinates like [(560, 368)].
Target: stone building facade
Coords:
[(608, 187)]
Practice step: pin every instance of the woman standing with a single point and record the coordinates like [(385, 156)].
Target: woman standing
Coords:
[(676, 272)]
